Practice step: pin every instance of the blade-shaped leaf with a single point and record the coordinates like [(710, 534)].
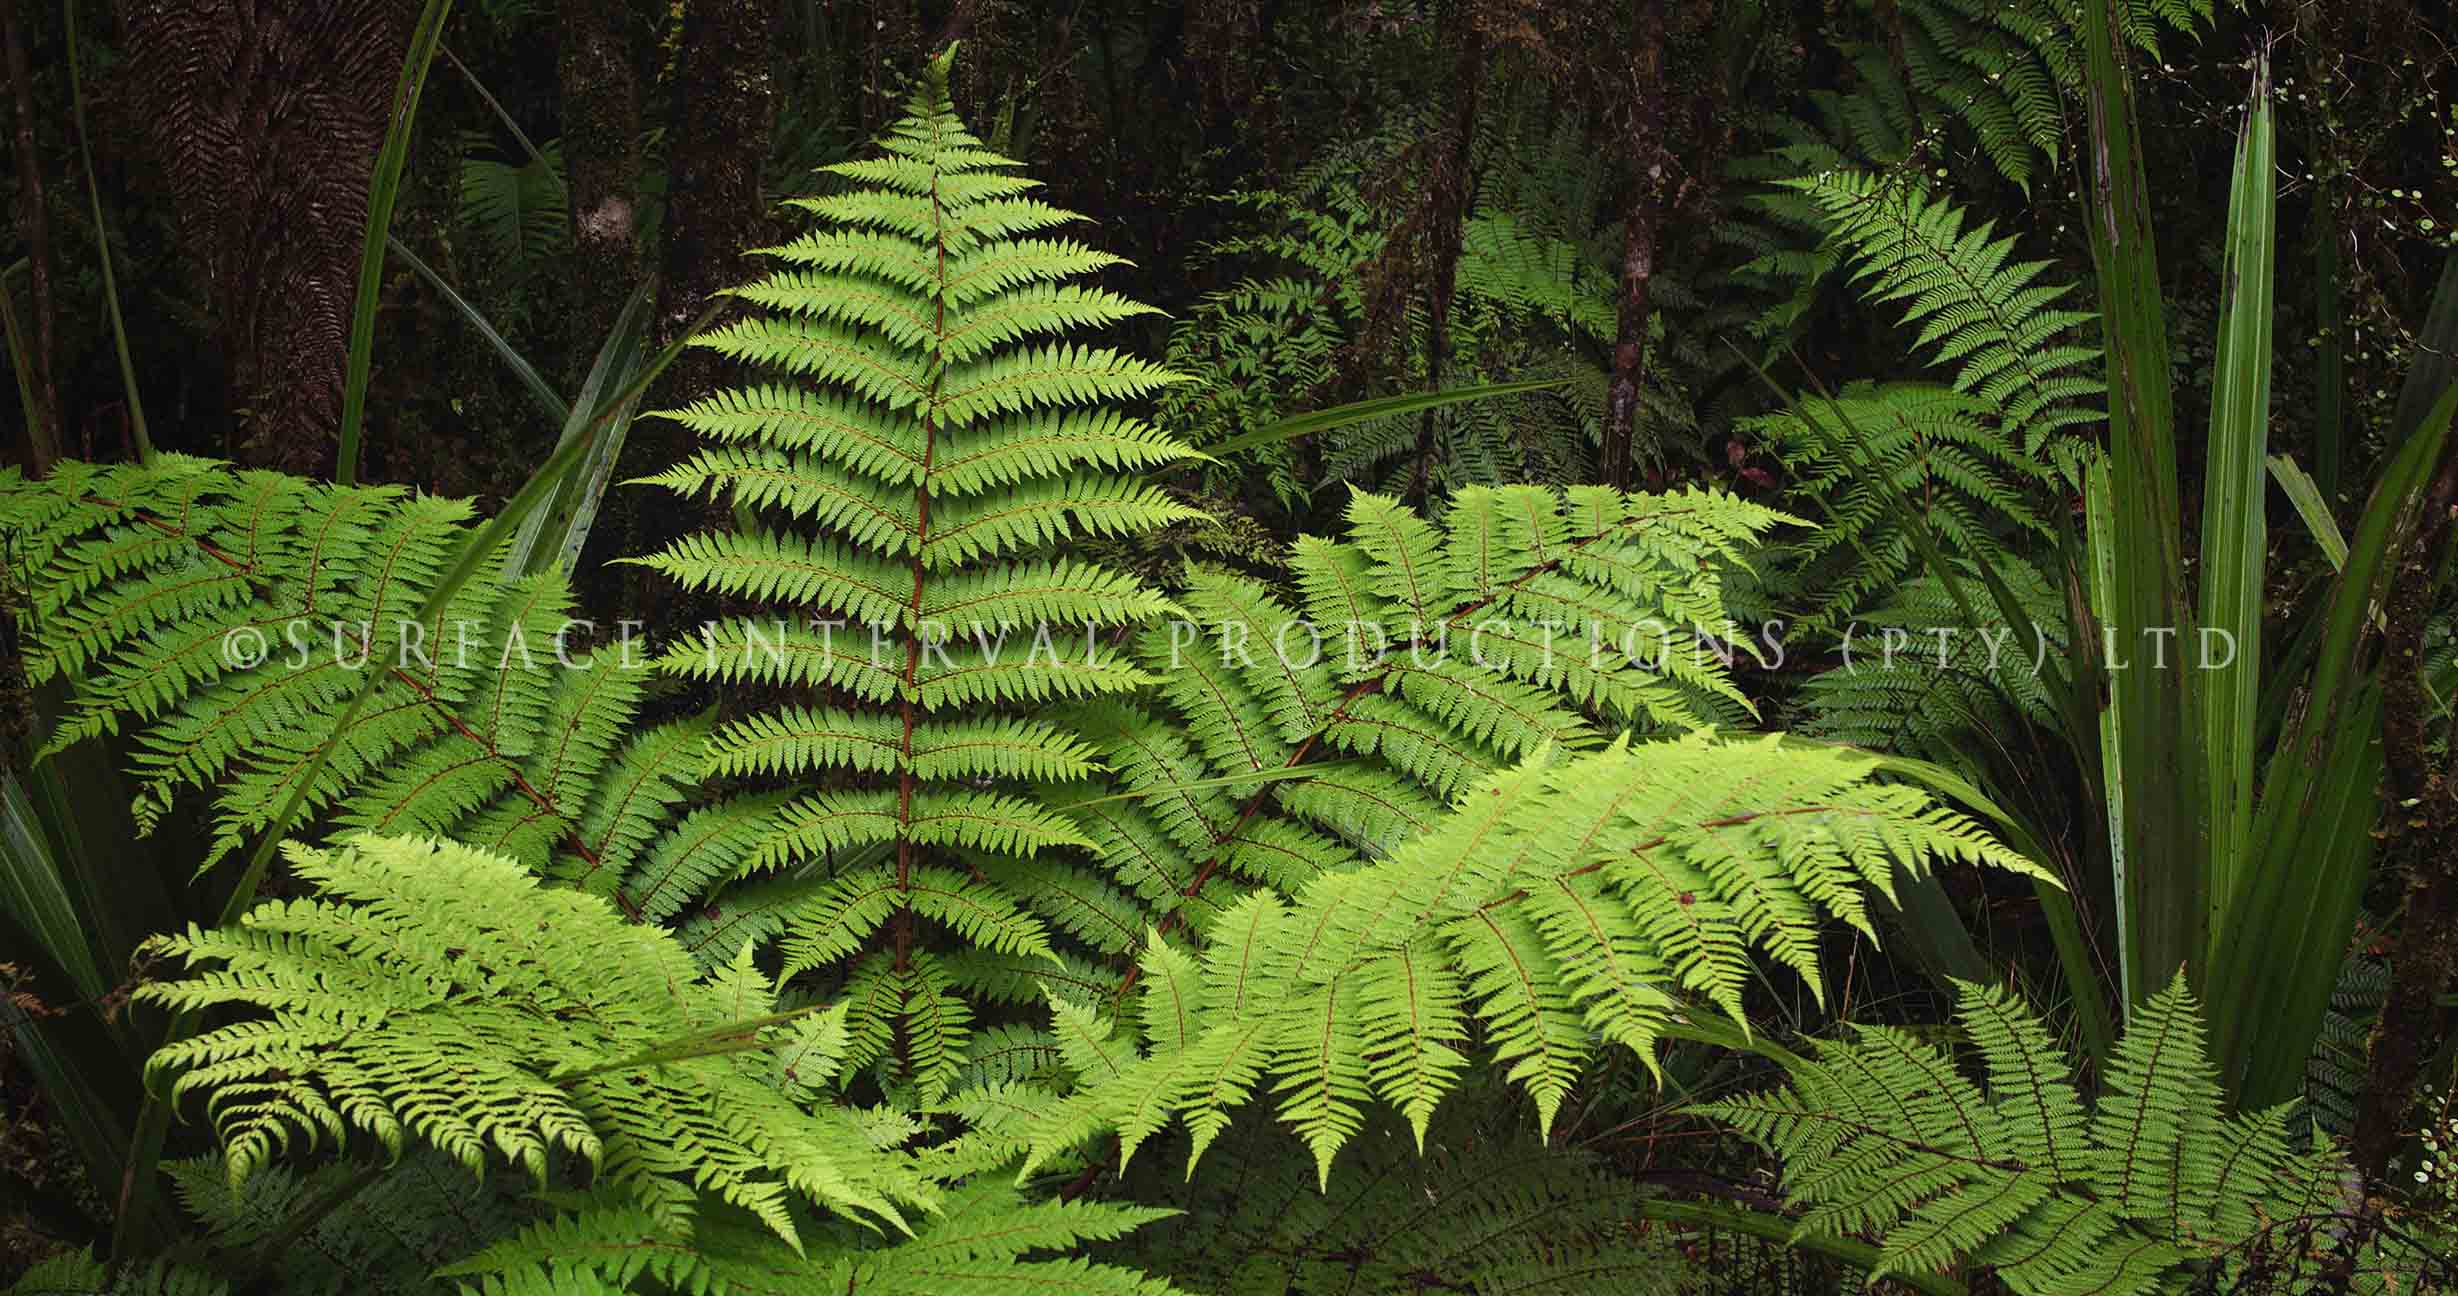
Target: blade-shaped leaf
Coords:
[(2154, 767), (2305, 493), (2295, 907), (2235, 535), (383, 191), (1366, 411), (530, 378), (564, 526), (102, 250)]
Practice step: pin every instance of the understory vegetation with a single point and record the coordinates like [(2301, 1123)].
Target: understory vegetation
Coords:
[(1692, 646)]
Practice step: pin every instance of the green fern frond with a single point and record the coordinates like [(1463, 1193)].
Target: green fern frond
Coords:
[(1920, 680), (224, 619), (1976, 307), (76, 1273), (516, 208), (1423, 657), (1977, 462), (384, 1232), (1562, 900), (1991, 76), (1475, 1210), (988, 1240), (946, 440), (2140, 1191), (387, 1012)]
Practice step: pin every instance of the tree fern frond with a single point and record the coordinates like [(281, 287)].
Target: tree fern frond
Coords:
[(1566, 898), (486, 720), (387, 1015), (1476, 1209), (948, 437), (2149, 1186)]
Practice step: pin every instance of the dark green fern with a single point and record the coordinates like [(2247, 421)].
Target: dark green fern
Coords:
[(2152, 1188)]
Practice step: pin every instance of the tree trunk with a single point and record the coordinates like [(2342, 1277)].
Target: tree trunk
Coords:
[(43, 429), (1643, 131), (264, 118), (717, 138), (601, 166)]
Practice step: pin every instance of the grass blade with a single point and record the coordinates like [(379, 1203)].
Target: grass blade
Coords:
[(102, 249), (383, 191), (2311, 506), (531, 379), (2100, 548), (1366, 411), (34, 894), (2235, 534), (568, 519), (2436, 360), (2155, 772)]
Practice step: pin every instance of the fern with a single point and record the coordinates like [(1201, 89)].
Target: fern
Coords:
[(1920, 680), (438, 994), (223, 619), (910, 496), (1977, 461), (1942, 81), (2334, 1074), (2140, 1191), (982, 1243), (1998, 70), (1559, 903), (517, 209), (1874, 449), (1289, 741), (1477, 1211), (1977, 309), (72, 1273), (386, 1228)]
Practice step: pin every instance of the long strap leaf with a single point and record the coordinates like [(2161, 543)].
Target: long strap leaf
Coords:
[(102, 248), (2227, 651), (539, 390), (2155, 771), (383, 190), (1366, 411)]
